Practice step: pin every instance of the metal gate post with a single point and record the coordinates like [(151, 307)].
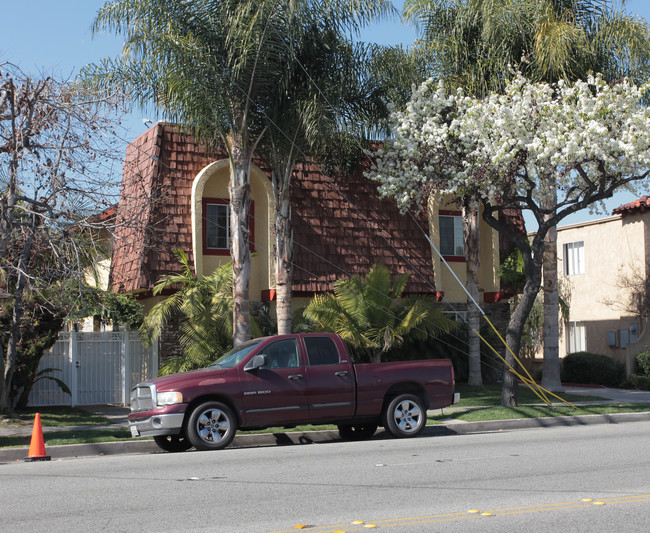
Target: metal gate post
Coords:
[(74, 367), (126, 367)]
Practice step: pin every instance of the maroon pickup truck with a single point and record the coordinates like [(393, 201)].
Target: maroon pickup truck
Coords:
[(284, 381)]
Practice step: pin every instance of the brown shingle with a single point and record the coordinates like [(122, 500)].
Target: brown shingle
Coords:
[(341, 227)]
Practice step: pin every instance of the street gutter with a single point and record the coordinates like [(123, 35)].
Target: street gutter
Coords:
[(448, 428)]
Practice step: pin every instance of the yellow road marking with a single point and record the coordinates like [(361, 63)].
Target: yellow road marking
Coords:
[(418, 520)]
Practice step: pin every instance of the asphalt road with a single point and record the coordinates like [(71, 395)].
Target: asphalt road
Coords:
[(529, 479)]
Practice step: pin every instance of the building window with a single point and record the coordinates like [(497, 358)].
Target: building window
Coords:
[(451, 234), (216, 226), (577, 338), (574, 258)]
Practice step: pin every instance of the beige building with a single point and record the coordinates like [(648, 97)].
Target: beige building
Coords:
[(604, 265)]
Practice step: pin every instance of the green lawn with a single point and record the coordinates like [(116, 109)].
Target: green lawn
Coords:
[(61, 416), (491, 395), (481, 414)]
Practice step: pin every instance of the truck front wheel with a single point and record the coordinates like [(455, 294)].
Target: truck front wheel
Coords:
[(404, 416), (211, 426)]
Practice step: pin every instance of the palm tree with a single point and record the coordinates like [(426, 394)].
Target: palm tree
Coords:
[(371, 314), (477, 42), (213, 65), (202, 308), (327, 111)]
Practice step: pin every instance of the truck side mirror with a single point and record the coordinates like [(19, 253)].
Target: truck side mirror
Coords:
[(256, 363)]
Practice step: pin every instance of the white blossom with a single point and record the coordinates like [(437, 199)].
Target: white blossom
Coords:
[(463, 145)]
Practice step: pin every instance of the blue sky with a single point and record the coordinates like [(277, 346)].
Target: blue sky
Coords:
[(54, 36)]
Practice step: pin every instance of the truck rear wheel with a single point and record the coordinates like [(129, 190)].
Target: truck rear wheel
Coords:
[(404, 416), (357, 431), (173, 443), (211, 426)]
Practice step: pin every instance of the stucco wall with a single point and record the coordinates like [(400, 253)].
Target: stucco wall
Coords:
[(212, 182), (614, 248), (489, 258)]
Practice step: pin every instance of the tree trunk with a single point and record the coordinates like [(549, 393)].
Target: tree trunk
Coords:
[(239, 189), (14, 331), (513, 340), (283, 253), (532, 255), (471, 238), (551, 372)]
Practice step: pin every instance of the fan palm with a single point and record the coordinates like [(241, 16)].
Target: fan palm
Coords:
[(372, 315), (216, 66), (330, 101), (202, 310)]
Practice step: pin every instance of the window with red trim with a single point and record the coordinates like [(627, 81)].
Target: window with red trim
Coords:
[(216, 226)]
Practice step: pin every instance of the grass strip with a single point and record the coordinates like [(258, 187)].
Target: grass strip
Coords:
[(483, 414), (490, 394), (60, 416), (57, 438)]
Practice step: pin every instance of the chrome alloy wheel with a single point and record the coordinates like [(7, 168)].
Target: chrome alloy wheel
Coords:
[(404, 416), (408, 416), (213, 425)]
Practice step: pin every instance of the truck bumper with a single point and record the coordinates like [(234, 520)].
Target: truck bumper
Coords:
[(163, 424), (456, 397)]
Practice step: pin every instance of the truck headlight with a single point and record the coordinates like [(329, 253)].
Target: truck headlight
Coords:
[(169, 398)]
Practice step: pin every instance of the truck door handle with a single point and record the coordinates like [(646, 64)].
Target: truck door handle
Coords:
[(296, 376), (341, 373)]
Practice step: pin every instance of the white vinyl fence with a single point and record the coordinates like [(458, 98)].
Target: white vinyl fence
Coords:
[(98, 368)]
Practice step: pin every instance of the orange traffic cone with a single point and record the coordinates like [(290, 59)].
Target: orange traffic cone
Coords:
[(37, 445)]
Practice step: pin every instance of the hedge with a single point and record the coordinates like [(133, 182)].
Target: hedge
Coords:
[(592, 369)]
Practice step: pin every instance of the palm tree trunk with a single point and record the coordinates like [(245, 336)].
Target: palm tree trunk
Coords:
[(239, 189), (551, 373), (471, 237), (283, 252)]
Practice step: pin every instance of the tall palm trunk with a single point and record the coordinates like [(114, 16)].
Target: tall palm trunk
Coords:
[(471, 238), (239, 190), (283, 253), (551, 373)]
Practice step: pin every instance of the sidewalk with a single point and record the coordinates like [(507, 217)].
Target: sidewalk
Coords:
[(118, 417)]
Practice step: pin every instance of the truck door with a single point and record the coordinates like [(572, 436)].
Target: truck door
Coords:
[(330, 381), (276, 393)]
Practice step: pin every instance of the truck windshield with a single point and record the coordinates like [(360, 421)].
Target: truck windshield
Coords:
[(234, 357)]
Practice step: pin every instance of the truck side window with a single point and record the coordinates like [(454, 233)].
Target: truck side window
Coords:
[(281, 354), (321, 351)]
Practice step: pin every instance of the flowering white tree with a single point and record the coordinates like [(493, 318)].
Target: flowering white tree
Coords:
[(581, 141)]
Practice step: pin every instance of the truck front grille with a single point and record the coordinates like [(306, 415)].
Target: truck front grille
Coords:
[(143, 397)]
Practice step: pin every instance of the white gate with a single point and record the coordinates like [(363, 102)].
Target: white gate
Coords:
[(98, 368)]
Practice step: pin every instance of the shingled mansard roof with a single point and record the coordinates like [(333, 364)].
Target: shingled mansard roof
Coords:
[(341, 226)]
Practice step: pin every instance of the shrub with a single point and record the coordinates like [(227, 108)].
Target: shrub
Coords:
[(643, 360), (640, 382), (592, 369)]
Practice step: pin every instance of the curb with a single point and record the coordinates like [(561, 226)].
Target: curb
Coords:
[(11, 455)]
